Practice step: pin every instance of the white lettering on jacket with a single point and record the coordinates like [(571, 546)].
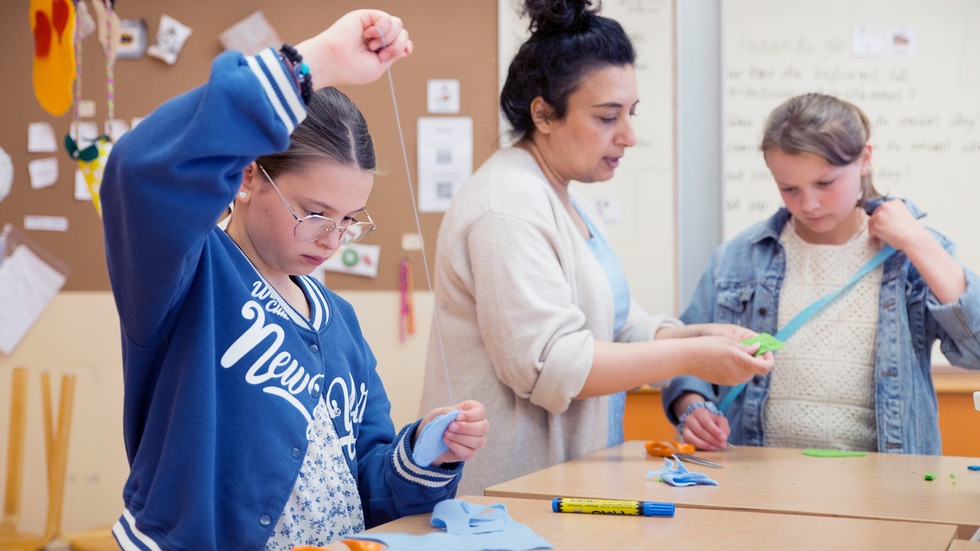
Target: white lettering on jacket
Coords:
[(279, 374), (262, 291), (353, 409), (275, 370)]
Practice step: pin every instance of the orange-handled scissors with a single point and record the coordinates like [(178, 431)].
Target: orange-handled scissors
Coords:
[(682, 450)]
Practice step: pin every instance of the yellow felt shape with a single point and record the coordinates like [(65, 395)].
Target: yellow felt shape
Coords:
[(53, 28), (91, 161)]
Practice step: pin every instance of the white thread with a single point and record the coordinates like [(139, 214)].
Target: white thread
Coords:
[(418, 225)]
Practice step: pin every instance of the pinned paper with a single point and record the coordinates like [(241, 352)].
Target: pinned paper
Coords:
[(250, 35), (30, 277), (442, 96), (901, 41), (868, 41), (356, 259), (445, 159), (40, 138), (45, 223), (169, 40), (44, 172), (82, 192), (132, 39)]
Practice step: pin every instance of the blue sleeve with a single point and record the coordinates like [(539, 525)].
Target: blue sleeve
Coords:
[(168, 180), (390, 483), (958, 323)]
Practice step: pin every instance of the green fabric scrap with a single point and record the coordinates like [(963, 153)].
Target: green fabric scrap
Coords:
[(814, 452), (769, 343)]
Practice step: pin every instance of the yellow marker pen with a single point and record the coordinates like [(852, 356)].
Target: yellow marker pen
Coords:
[(612, 507)]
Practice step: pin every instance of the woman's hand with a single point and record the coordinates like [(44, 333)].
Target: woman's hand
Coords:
[(725, 361), (357, 49), (464, 436), (731, 331)]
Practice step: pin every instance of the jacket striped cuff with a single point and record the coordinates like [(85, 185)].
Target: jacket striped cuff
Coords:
[(279, 87), (435, 477), (129, 537)]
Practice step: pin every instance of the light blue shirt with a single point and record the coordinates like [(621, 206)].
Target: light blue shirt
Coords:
[(611, 266)]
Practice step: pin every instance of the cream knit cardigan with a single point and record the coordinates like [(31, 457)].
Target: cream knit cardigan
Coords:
[(521, 300)]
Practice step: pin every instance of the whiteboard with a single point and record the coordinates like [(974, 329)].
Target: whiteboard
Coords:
[(912, 66), (644, 237)]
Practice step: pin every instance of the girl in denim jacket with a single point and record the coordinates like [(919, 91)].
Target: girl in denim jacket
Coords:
[(857, 375)]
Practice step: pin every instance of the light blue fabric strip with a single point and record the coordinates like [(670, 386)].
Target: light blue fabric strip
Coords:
[(429, 445), (470, 527), (794, 324), (676, 474)]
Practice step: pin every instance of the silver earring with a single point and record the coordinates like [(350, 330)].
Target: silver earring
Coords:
[(242, 194)]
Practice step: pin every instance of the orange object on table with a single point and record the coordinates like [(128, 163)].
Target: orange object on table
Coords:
[(680, 450)]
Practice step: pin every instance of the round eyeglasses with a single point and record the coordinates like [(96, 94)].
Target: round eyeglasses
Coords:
[(314, 226)]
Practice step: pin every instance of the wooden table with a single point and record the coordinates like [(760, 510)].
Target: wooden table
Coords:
[(878, 486), (704, 529)]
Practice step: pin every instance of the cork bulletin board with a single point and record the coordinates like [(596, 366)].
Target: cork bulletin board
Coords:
[(453, 40)]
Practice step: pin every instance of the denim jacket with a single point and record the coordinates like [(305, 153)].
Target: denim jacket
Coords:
[(741, 286)]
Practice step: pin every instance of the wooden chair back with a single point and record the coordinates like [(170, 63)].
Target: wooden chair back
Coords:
[(56, 451)]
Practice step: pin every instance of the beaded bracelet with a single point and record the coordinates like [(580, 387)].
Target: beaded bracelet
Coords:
[(301, 72), (710, 406)]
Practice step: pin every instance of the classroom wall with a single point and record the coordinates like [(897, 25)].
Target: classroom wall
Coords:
[(79, 330)]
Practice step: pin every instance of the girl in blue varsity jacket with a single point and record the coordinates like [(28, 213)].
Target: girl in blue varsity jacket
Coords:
[(254, 417)]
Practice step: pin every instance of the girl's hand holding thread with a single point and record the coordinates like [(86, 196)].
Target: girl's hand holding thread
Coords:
[(357, 49), (465, 435)]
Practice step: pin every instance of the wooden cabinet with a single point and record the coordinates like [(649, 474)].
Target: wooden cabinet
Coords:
[(959, 421)]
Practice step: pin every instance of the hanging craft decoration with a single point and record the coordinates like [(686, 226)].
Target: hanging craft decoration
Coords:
[(92, 158), (406, 287), (53, 26)]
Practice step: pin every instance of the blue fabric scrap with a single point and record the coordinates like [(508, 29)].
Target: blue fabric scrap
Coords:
[(679, 475), (469, 527), (429, 444)]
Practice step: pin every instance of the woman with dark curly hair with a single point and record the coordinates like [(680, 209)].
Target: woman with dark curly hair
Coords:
[(533, 313)]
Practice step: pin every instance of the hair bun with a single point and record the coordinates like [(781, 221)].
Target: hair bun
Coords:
[(558, 16)]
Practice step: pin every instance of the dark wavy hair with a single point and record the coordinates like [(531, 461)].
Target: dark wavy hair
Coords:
[(334, 130), (568, 40)]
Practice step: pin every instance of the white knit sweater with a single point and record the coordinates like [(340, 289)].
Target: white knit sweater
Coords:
[(822, 391), (520, 300)]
